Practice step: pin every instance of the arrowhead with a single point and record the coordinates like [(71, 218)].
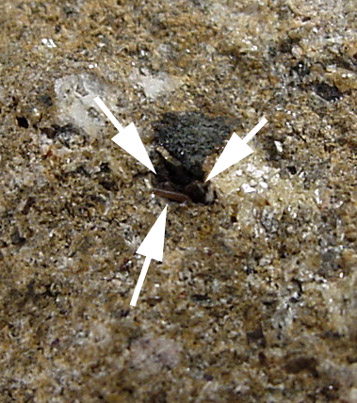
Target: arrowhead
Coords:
[(235, 150), (130, 141), (153, 244)]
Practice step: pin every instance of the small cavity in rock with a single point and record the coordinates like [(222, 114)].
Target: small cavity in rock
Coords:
[(185, 140)]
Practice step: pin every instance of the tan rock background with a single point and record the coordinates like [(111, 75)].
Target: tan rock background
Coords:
[(256, 299)]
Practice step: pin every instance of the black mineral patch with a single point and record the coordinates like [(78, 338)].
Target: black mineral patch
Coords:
[(301, 69), (68, 135), (184, 140), (22, 122), (328, 92), (191, 136), (17, 239)]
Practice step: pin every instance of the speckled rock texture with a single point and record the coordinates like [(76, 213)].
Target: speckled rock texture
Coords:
[(256, 299)]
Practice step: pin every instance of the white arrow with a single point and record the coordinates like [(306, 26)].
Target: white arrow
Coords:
[(152, 247), (235, 150), (128, 137)]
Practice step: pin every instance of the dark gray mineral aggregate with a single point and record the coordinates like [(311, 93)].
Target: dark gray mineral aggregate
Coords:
[(191, 136)]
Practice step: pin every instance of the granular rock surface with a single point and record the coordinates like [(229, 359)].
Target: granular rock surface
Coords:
[(256, 298)]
